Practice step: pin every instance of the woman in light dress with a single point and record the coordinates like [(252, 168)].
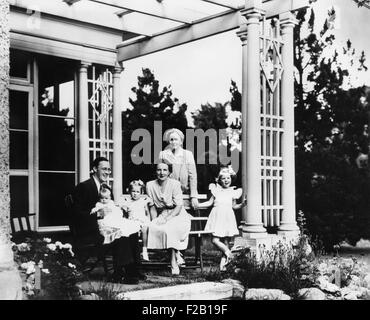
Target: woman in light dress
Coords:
[(170, 225)]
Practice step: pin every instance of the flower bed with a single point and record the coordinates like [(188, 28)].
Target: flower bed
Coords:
[(294, 269), (49, 270)]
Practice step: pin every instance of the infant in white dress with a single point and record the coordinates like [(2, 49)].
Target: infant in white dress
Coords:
[(113, 225)]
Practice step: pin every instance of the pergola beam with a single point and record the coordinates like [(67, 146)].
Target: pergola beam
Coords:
[(82, 12), (201, 29), (164, 10), (231, 4)]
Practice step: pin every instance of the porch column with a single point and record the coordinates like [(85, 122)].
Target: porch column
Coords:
[(251, 118), (288, 216), (117, 132), (10, 280), (83, 125)]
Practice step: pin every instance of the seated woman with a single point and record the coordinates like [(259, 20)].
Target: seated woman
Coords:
[(170, 224)]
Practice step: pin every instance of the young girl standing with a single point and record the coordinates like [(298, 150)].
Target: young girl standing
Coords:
[(221, 220), (137, 208)]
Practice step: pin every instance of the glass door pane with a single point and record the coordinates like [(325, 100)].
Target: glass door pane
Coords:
[(21, 151)]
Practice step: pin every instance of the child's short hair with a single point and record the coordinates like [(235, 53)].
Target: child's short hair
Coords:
[(136, 183), (226, 170), (104, 191)]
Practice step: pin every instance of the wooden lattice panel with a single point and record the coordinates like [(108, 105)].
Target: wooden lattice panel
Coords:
[(100, 93), (271, 122)]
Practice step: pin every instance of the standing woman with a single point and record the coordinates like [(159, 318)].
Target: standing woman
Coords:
[(183, 165), (170, 224)]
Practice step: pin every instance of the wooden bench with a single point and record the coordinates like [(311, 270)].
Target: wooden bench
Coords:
[(197, 230)]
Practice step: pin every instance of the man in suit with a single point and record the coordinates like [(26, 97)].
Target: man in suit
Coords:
[(126, 255)]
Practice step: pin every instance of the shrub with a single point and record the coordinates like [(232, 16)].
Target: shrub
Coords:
[(58, 269), (285, 267)]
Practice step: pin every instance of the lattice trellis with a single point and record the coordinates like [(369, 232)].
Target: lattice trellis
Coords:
[(271, 122), (100, 93)]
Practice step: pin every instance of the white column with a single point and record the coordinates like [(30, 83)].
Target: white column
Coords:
[(288, 217), (243, 35), (251, 118), (83, 125), (117, 132)]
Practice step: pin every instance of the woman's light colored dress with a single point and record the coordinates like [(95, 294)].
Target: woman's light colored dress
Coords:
[(175, 232), (114, 226), (221, 220)]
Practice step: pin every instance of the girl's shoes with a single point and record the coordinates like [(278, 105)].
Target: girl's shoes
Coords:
[(145, 256), (175, 270), (179, 259), (225, 260), (229, 256), (223, 263)]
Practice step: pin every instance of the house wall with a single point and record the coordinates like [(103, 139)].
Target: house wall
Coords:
[(4, 122), (10, 281)]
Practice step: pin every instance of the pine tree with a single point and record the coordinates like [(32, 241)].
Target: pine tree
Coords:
[(150, 104)]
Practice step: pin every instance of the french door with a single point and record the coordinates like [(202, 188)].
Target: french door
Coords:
[(21, 132)]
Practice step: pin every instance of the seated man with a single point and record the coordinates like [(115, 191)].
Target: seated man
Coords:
[(125, 249)]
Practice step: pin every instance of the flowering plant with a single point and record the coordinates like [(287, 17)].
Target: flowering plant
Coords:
[(49, 269), (344, 278)]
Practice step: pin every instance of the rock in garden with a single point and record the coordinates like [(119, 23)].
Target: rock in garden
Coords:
[(311, 294), (367, 281), (265, 294), (351, 296), (238, 288), (92, 296)]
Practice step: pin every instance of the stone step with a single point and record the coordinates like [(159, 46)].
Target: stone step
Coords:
[(193, 291)]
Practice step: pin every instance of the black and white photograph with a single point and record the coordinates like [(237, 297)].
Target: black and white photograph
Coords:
[(184, 156)]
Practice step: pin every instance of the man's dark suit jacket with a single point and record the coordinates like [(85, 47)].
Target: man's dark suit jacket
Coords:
[(85, 196)]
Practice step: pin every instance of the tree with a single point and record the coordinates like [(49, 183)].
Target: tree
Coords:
[(363, 3), (150, 104), (209, 116), (216, 117), (331, 130)]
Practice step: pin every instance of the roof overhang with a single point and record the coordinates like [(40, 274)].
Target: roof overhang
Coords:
[(227, 20), (133, 28)]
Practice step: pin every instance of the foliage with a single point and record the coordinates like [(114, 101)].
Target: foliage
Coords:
[(349, 268), (331, 131), (150, 105), (209, 116), (343, 278), (236, 97), (363, 3), (285, 267), (59, 270)]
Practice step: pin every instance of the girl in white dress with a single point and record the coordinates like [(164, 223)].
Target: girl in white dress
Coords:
[(221, 220), (113, 225), (137, 208)]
